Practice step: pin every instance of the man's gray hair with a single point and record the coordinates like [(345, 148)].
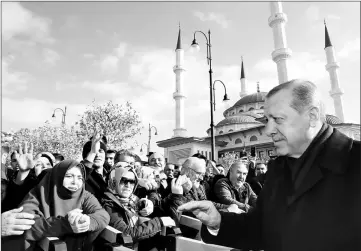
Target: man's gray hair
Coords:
[(124, 152), (238, 163), (304, 93)]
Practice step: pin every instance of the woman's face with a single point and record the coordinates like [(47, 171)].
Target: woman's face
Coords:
[(126, 185), (73, 179), (41, 164)]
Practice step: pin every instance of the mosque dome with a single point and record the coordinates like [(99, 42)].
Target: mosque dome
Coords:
[(239, 119), (332, 120), (251, 98)]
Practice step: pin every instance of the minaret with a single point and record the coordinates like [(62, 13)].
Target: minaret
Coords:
[(178, 95), (332, 68), (243, 83), (277, 21)]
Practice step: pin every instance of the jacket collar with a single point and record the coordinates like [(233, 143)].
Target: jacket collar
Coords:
[(335, 155)]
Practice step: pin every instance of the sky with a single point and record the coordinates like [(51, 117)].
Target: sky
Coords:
[(57, 54)]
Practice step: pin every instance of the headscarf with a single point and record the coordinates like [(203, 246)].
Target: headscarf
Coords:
[(129, 204), (116, 174), (47, 155), (50, 197)]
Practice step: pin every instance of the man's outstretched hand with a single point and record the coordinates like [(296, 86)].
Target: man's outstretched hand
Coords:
[(205, 211), (15, 222)]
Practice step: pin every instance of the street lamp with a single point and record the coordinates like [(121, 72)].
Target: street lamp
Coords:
[(209, 61), (141, 147), (225, 97), (150, 136), (63, 115)]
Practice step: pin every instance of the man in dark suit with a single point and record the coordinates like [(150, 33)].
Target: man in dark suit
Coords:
[(260, 175), (311, 199)]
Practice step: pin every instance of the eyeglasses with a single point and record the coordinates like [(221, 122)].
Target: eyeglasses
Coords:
[(125, 181)]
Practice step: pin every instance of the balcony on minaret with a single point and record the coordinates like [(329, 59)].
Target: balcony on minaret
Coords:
[(178, 68), (178, 95), (337, 91), (277, 18), (332, 65), (280, 54)]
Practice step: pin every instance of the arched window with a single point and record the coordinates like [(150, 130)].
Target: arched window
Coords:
[(241, 110), (220, 132), (253, 138), (262, 107), (238, 141), (230, 130), (250, 109)]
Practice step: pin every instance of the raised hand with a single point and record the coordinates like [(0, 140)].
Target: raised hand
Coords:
[(24, 157), (14, 222), (205, 211), (94, 147), (96, 143), (176, 185), (148, 209), (148, 184)]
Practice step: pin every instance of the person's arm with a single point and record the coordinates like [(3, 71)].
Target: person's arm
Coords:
[(247, 235), (43, 227), (139, 231), (252, 197), (21, 177), (256, 186), (50, 227), (224, 195), (15, 222), (99, 218), (249, 225)]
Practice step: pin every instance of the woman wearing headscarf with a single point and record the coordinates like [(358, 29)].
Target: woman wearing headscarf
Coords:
[(125, 210), (64, 209)]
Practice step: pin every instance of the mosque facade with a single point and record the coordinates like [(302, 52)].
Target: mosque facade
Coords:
[(240, 130)]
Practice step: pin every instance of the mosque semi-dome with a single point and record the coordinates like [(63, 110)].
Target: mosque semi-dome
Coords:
[(251, 98), (239, 119)]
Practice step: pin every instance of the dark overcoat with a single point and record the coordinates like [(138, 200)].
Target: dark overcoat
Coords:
[(323, 214)]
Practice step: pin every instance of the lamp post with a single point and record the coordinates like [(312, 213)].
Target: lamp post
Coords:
[(225, 97), (209, 61), (150, 136), (63, 114)]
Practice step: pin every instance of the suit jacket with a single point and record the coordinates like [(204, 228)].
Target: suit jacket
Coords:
[(257, 183), (323, 214)]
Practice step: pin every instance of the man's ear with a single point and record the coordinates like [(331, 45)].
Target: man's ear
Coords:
[(314, 116)]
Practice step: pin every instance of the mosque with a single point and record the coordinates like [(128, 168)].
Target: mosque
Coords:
[(240, 129)]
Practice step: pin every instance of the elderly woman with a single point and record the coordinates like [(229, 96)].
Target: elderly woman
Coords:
[(126, 210)]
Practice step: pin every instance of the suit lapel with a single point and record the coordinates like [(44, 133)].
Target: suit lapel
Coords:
[(312, 177)]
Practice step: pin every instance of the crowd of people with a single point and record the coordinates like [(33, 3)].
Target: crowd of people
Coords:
[(47, 195), (310, 199)]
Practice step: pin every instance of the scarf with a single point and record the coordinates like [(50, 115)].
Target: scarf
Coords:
[(298, 168), (129, 204), (50, 197)]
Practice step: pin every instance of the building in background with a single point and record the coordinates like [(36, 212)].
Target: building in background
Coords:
[(239, 129)]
